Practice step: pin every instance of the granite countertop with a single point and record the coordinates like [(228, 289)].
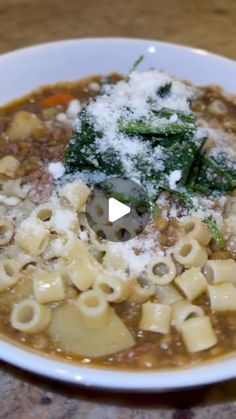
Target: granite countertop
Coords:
[(208, 24)]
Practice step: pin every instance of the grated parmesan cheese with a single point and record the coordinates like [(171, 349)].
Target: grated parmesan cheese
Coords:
[(130, 100), (69, 117), (138, 252), (56, 169), (174, 177), (64, 219), (11, 201), (73, 109)]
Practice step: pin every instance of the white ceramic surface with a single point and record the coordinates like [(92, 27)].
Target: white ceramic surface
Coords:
[(28, 68)]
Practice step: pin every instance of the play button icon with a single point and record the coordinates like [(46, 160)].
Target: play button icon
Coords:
[(118, 209)]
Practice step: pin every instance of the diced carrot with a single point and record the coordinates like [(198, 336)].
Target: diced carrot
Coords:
[(62, 98)]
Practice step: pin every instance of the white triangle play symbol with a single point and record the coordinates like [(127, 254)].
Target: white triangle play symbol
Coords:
[(116, 209)]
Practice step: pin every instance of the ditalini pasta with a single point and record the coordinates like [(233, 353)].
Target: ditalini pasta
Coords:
[(75, 284), (222, 297), (30, 317), (114, 288), (161, 270), (64, 220), (74, 195), (182, 310), (48, 286), (192, 283), (81, 267), (167, 294), (198, 334), (23, 259), (156, 317), (195, 228), (9, 273), (44, 213), (32, 236), (15, 187), (190, 253), (220, 271), (6, 231), (94, 308), (141, 291)]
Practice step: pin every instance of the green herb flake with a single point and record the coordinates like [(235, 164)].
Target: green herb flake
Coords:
[(216, 234), (164, 90), (136, 63)]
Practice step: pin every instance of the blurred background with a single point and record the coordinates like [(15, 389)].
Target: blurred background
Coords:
[(208, 24)]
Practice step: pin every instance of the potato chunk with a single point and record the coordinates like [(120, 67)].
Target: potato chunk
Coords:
[(69, 331), (25, 125), (9, 166)]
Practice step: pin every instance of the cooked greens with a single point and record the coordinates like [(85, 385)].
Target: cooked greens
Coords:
[(215, 173), (216, 234), (164, 122), (136, 63), (174, 144), (151, 147)]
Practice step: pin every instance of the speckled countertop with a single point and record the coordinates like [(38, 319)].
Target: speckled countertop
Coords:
[(209, 24)]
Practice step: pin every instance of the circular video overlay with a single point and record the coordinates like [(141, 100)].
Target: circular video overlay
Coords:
[(118, 209)]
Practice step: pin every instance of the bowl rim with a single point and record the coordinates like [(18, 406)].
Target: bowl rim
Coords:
[(124, 380), (220, 369), (118, 39)]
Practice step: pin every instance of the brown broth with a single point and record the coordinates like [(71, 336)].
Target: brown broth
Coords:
[(152, 351)]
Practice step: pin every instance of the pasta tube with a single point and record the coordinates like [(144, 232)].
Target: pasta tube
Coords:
[(48, 286), (195, 228), (156, 317), (222, 297), (221, 271), (198, 334), (81, 267), (182, 309), (74, 195), (9, 273), (94, 308), (192, 283), (190, 253), (167, 294), (30, 317), (114, 288), (32, 236), (161, 270), (6, 231)]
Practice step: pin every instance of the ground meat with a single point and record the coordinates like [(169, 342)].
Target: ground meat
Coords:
[(42, 189)]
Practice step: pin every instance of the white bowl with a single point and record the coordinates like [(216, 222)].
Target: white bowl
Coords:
[(28, 68)]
